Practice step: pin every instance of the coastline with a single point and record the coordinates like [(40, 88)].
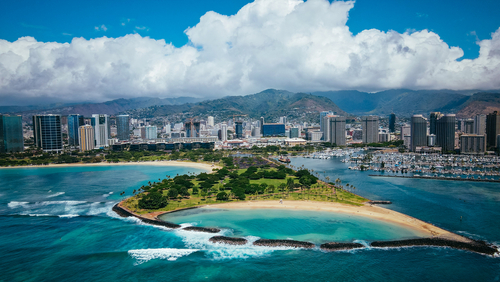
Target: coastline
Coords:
[(204, 166), (374, 212)]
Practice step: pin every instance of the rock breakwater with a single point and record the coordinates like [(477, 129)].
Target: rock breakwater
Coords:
[(283, 243), (126, 213), (202, 229), (340, 246), (480, 247), (228, 240)]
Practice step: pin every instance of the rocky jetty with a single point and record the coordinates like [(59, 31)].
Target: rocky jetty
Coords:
[(202, 229), (379, 202), (125, 213), (473, 246), (228, 240), (283, 243), (340, 246)]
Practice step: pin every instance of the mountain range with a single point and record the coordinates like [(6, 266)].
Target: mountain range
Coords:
[(272, 104)]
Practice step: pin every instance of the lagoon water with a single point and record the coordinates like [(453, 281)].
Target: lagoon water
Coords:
[(57, 225)]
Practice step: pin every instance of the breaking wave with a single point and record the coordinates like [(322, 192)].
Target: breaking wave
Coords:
[(144, 255), (56, 194)]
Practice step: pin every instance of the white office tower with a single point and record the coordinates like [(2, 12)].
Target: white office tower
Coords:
[(101, 130), (256, 132), (322, 124), (480, 125), (210, 121), (369, 125), (151, 132), (336, 130), (223, 132), (168, 129), (283, 120)]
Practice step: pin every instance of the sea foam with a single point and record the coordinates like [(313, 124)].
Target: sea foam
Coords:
[(56, 194), (144, 255)]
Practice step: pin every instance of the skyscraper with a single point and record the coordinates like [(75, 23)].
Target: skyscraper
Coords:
[(480, 124), (392, 122), (283, 120), (369, 126), (238, 128), (261, 125), (151, 132), (418, 132), (101, 130), (322, 123), (294, 132), (47, 133), (74, 122), (337, 130), (223, 130), (11, 134), (123, 127), (210, 121), (86, 138), (492, 129), (445, 132), (432, 121)]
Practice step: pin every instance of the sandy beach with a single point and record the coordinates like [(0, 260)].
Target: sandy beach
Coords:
[(374, 212), (204, 166)]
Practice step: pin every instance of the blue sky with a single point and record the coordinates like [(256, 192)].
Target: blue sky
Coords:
[(73, 51), (458, 22)]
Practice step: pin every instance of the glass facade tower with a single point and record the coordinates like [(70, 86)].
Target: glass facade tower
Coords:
[(11, 134), (47, 132), (74, 123)]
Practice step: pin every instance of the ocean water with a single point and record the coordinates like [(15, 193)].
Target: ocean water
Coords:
[(56, 224)]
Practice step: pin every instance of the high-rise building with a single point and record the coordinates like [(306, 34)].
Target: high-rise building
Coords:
[(11, 134), (324, 124), (192, 128), (151, 132), (472, 144), (223, 130), (369, 125), (337, 130), (418, 137), (492, 129), (101, 130), (123, 127), (210, 121), (74, 123), (273, 130), (480, 125), (86, 138), (238, 128), (392, 122), (468, 126), (445, 132), (168, 128), (261, 125), (47, 133), (406, 135), (432, 121), (294, 132), (283, 120)]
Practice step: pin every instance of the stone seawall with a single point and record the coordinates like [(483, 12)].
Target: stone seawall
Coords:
[(473, 246), (202, 229), (340, 246), (228, 240), (126, 213), (283, 243)]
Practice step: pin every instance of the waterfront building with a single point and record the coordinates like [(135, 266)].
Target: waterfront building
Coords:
[(11, 134), (47, 132), (86, 138), (431, 140), (418, 135), (472, 144), (123, 127), (336, 129), (392, 122), (323, 125), (151, 132), (101, 130), (432, 122), (383, 137), (223, 135), (294, 132), (445, 132), (273, 130), (238, 128), (480, 125), (492, 129), (74, 123), (210, 121), (314, 136), (369, 125)]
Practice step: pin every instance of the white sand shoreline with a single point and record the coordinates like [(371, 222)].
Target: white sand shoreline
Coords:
[(203, 166), (374, 212)]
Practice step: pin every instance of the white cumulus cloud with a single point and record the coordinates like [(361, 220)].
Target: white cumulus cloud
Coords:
[(283, 44)]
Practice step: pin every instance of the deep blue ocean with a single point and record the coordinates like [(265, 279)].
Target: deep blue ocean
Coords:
[(56, 224)]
